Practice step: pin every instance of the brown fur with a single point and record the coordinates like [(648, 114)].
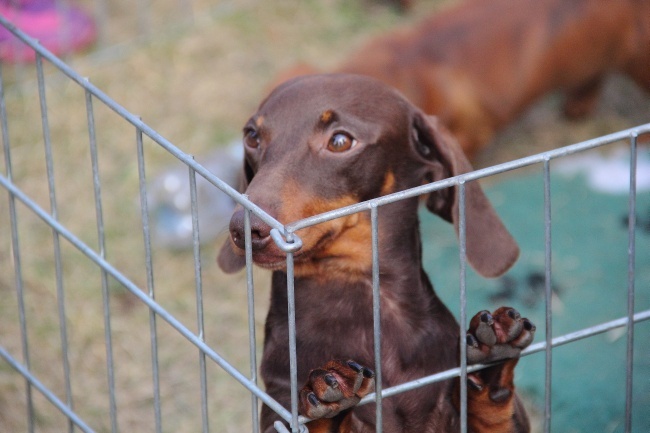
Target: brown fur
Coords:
[(478, 65), (292, 172)]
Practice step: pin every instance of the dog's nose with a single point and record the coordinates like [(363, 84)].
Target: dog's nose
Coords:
[(260, 231)]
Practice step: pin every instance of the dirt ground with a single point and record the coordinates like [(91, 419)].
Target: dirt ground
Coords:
[(195, 84)]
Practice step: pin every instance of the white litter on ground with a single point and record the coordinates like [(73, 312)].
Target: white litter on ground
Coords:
[(608, 173)]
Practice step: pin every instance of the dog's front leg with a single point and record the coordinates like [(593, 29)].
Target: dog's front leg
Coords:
[(492, 405)]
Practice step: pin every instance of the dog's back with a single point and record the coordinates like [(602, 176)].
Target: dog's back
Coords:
[(480, 64)]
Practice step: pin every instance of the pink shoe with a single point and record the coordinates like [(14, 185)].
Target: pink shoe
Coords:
[(62, 29)]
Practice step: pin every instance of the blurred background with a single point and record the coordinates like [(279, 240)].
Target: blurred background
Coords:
[(194, 70)]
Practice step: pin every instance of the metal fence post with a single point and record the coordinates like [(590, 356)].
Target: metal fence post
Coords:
[(463, 305), (630, 286), (376, 311), (548, 296)]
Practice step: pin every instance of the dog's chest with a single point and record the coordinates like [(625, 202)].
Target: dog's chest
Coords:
[(335, 321)]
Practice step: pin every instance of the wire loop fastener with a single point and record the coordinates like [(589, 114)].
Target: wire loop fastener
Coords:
[(287, 246)]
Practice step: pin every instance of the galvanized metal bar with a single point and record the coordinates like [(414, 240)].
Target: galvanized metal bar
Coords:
[(150, 279), (198, 283), (587, 332), (293, 363), (286, 246), (101, 241), (533, 348), (252, 341), (280, 428), (627, 321), (376, 315), (58, 266), (474, 175), (140, 125), (630, 285), (33, 381), (240, 199), (15, 248), (548, 296), (144, 298), (462, 236)]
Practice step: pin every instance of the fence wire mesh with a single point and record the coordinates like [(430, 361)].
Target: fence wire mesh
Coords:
[(79, 255)]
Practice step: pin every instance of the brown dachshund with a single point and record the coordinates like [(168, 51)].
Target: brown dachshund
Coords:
[(480, 64), (325, 141)]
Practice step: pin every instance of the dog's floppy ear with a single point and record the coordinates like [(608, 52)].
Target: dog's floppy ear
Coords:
[(229, 259), (490, 248)]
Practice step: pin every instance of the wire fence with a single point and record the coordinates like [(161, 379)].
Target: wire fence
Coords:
[(62, 396)]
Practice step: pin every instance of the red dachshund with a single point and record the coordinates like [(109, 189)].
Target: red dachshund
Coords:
[(480, 64)]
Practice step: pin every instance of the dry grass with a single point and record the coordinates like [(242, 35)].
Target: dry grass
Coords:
[(196, 86)]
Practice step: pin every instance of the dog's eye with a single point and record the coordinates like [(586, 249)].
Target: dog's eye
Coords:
[(251, 138), (340, 142)]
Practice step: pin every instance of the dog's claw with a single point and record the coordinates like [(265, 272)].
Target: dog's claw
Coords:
[(527, 336), (354, 366), (474, 352), (500, 395), (514, 314), (529, 326), (313, 400), (331, 381), (474, 382)]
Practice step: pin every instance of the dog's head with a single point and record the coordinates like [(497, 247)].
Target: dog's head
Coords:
[(321, 142)]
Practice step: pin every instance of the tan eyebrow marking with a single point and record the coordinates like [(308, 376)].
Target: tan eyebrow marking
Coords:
[(327, 117)]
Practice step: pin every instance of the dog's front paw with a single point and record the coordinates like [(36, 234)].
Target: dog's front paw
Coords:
[(337, 386), (498, 336), (492, 337)]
